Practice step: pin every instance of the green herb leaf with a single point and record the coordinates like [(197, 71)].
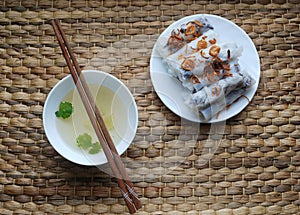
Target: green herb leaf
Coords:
[(95, 148), (84, 141), (65, 110)]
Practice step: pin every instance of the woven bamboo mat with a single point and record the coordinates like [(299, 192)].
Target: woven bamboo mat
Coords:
[(175, 166)]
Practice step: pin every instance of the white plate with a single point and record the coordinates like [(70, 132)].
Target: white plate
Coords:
[(171, 92)]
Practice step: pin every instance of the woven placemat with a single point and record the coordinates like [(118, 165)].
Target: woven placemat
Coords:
[(175, 166)]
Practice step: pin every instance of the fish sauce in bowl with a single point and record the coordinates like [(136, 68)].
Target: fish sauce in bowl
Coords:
[(116, 105)]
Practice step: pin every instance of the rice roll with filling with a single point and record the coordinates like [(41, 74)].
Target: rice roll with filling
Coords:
[(214, 108), (218, 90), (182, 35), (188, 61), (205, 66)]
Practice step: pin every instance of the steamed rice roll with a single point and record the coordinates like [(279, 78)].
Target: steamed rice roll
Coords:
[(182, 35), (187, 61), (214, 108), (205, 66), (218, 90)]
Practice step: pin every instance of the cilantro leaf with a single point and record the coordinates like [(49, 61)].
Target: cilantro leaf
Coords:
[(84, 141), (65, 110), (95, 148)]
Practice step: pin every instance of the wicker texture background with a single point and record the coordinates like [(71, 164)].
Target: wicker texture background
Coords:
[(255, 169)]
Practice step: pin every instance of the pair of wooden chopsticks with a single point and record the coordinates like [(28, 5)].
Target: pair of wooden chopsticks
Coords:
[(126, 187)]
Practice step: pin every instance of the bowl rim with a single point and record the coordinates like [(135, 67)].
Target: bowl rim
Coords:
[(52, 140)]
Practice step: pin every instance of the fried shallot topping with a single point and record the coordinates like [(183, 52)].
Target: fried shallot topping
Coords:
[(175, 40), (202, 44), (197, 22), (202, 53), (190, 30), (188, 64), (194, 79), (212, 41), (214, 51)]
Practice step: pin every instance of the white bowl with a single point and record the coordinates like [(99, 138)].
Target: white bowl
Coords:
[(62, 133)]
